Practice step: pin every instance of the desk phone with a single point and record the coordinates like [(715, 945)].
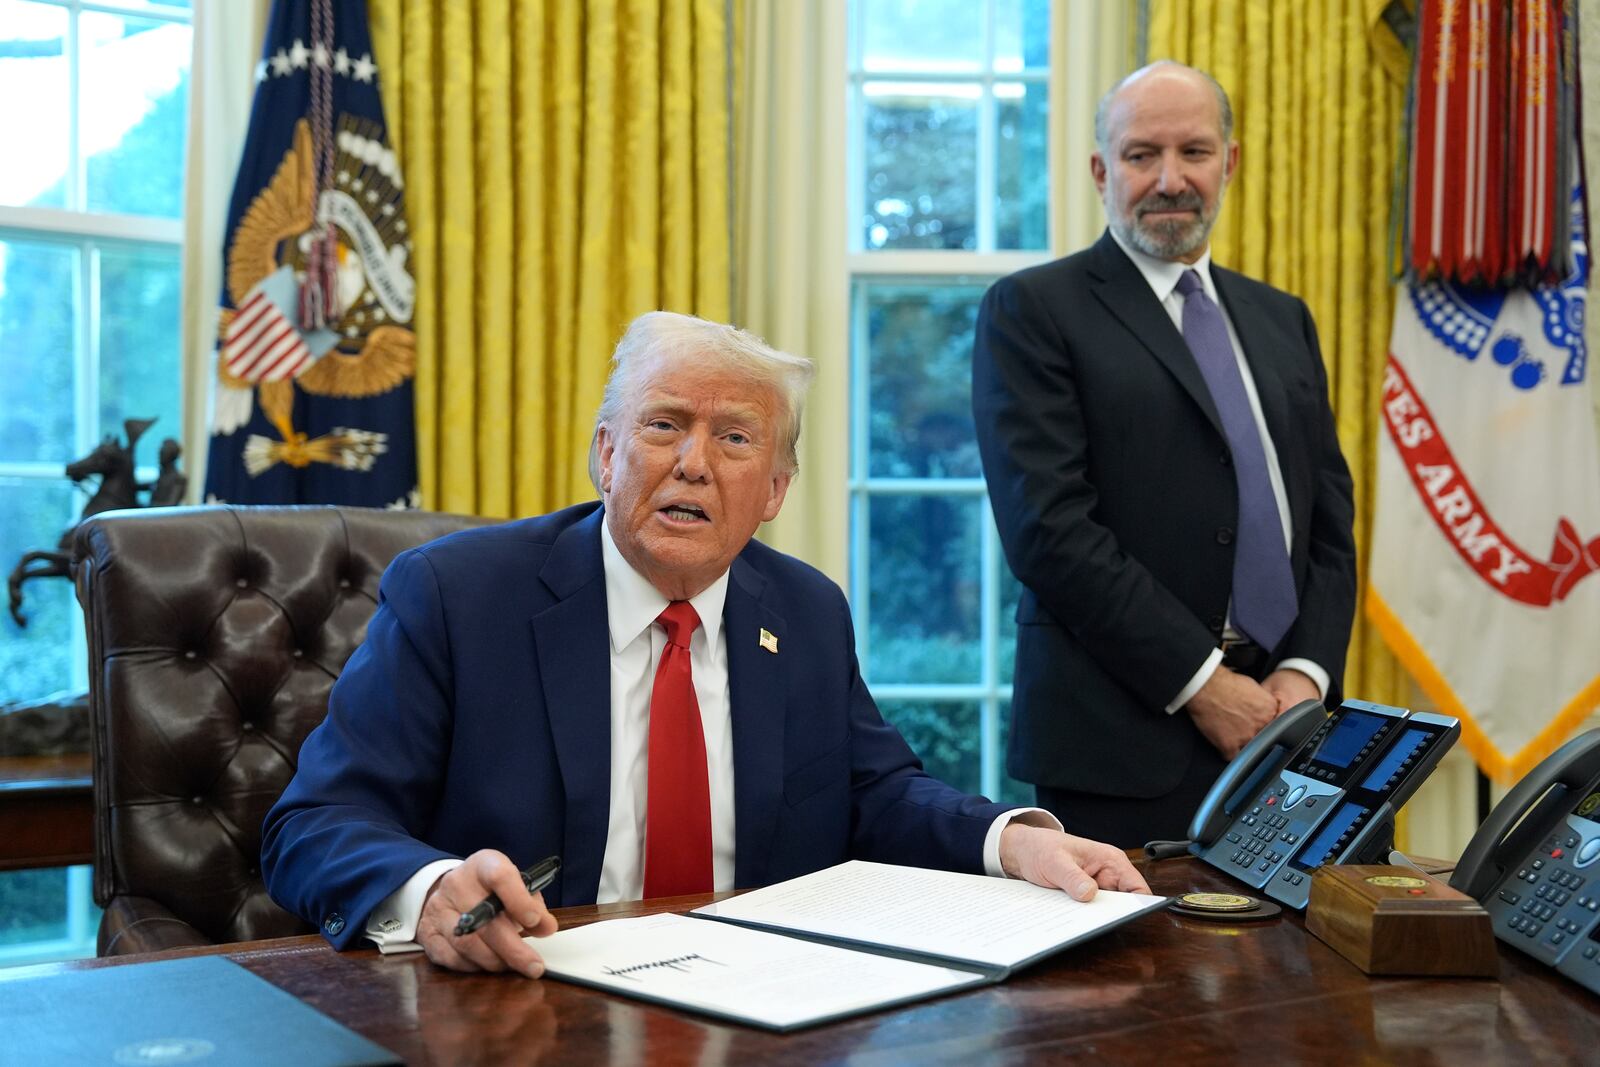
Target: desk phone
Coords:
[(1534, 864), (1313, 788)]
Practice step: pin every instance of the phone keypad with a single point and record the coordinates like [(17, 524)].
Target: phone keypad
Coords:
[(1545, 907), (1263, 842)]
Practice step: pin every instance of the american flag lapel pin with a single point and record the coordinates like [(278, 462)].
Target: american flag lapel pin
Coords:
[(769, 641)]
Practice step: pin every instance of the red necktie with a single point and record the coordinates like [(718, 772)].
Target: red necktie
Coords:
[(677, 825)]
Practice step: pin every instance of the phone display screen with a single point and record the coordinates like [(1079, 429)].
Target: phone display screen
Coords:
[(1589, 806), (1348, 736), (1409, 745), (1329, 837)]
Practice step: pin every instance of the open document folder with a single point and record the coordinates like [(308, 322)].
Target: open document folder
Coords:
[(850, 939)]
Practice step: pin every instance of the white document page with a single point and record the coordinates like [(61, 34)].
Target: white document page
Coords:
[(994, 921), (730, 970)]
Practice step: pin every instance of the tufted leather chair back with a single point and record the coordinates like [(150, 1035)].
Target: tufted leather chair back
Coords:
[(214, 636)]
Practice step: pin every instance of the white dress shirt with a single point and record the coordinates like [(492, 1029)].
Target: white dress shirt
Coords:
[(1162, 276), (632, 605)]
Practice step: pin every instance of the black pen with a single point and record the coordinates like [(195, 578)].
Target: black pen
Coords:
[(535, 878)]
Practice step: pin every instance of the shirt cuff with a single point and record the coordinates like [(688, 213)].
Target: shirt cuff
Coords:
[(1201, 677), (1318, 676), (991, 842), (393, 923)]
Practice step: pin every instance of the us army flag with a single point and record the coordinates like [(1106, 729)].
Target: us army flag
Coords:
[(315, 353), (1487, 530)]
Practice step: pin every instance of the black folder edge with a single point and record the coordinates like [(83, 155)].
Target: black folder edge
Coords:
[(982, 974)]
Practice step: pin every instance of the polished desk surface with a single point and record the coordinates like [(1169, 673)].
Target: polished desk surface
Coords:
[(46, 811), (1163, 989)]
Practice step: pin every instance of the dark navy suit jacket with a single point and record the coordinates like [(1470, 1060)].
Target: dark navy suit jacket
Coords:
[(477, 715), (1114, 494)]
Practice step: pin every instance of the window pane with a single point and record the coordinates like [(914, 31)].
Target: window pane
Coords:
[(944, 735), (922, 594), (922, 35), (33, 68), (37, 285), (139, 342), (33, 905), (35, 661), (1011, 790), (46, 914), (134, 113), (919, 395), (921, 154), (1021, 35), (1022, 186)]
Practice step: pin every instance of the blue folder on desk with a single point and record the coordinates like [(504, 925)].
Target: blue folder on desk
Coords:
[(205, 1010)]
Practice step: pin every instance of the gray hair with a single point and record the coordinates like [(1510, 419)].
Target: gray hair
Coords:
[(1102, 111), (660, 336)]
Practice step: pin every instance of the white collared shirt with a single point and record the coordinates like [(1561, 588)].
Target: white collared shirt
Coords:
[(632, 605), (637, 642), (1163, 275)]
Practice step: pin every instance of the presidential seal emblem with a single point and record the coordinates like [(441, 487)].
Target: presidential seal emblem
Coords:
[(163, 1050), (1397, 881), (366, 346)]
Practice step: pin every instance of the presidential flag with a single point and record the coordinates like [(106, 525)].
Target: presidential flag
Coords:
[(1486, 536), (315, 353)]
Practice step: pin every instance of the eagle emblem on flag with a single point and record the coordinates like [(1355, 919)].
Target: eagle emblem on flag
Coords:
[(314, 398), (369, 349)]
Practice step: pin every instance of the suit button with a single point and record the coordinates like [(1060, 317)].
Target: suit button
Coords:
[(1215, 622), (333, 925), (1224, 535), (1225, 459)]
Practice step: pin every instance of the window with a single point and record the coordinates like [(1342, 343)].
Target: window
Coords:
[(949, 189), (91, 200), (90, 230)]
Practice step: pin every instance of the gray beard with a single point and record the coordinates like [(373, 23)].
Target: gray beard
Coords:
[(1172, 241), (1165, 242)]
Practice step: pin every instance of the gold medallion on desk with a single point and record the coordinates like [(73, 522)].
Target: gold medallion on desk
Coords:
[(1224, 907), (1217, 902)]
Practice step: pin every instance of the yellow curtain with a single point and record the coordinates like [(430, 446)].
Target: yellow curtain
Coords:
[(790, 279), (1318, 117), (566, 169)]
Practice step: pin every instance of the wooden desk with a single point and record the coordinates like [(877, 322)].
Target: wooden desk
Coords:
[(46, 811), (1163, 989)]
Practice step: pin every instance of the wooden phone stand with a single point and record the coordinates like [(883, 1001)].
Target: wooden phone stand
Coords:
[(1398, 920)]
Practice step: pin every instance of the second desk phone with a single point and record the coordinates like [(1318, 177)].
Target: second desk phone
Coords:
[(1535, 862), (1313, 788)]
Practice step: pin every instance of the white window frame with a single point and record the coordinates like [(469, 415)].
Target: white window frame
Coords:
[(89, 233), (984, 265)]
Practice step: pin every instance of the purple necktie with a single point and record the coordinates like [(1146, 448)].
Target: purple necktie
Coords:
[(1264, 603)]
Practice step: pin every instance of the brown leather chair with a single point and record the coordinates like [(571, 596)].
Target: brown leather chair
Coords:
[(214, 635)]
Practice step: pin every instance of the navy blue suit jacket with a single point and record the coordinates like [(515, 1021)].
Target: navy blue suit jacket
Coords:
[(477, 715)]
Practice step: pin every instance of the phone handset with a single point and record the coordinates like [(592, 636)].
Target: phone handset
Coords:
[(1287, 731), (1575, 765)]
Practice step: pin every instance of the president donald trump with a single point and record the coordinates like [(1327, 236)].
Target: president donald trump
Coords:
[(634, 685)]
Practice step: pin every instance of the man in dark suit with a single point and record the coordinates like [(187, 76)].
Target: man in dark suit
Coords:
[(635, 686), (1167, 482)]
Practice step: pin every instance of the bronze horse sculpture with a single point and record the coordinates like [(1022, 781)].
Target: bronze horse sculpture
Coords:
[(118, 488)]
